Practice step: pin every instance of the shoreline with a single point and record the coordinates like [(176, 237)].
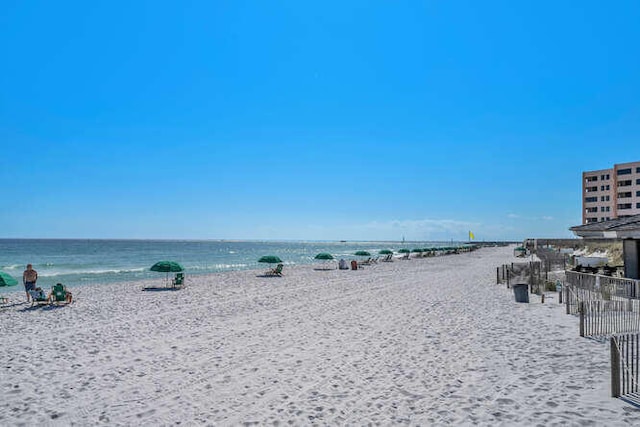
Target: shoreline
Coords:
[(427, 341)]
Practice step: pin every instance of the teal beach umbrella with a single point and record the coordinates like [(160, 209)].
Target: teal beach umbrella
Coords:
[(404, 251), (167, 267), (324, 256), (386, 252), (362, 253), (7, 280), (270, 259)]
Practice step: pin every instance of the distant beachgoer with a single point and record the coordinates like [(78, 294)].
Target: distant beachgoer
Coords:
[(29, 279)]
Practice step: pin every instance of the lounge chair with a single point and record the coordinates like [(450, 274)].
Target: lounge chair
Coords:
[(60, 294), (178, 281), (366, 262), (38, 297), (388, 258), (275, 271)]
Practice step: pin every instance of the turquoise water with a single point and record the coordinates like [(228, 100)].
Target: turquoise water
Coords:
[(77, 262)]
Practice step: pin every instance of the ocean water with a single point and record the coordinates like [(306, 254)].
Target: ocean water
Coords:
[(77, 262)]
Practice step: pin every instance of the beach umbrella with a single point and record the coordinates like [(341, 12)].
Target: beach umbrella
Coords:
[(404, 251), (385, 252), (270, 259), (167, 267), (362, 253), (324, 256), (7, 280)]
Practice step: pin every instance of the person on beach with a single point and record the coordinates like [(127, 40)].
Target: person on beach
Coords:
[(29, 278)]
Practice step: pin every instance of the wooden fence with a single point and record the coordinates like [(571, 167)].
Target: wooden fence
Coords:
[(625, 366), (521, 272), (609, 307), (599, 286), (605, 318)]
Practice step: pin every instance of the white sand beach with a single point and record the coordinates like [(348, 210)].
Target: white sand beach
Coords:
[(430, 341)]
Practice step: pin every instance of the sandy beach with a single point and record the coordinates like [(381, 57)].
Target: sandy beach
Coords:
[(430, 341)]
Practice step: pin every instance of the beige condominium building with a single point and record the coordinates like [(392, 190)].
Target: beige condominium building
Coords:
[(611, 193)]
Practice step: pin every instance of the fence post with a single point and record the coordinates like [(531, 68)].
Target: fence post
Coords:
[(560, 293), (581, 310), (566, 289), (547, 268), (497, 275), (508, 277), (615, 368)]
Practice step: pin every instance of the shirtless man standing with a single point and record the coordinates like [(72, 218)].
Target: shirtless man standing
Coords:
[(29, 278)]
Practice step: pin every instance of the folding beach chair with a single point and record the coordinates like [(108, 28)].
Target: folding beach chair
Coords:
[(60, 294), (178, 281), (38, 297), (275, 271)]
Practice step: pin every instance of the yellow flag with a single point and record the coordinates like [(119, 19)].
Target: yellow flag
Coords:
[(471, 236)]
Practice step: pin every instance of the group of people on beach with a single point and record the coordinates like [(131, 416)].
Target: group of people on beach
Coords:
[(29, 279)]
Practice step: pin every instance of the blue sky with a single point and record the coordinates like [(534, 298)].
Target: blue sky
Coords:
[(356, 120)]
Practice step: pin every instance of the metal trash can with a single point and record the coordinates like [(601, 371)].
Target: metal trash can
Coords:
[(521, 292)]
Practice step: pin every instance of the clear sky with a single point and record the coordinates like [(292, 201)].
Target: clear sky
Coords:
[(311, 120)]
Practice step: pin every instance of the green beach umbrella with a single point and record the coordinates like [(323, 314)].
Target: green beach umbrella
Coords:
[(386, 252), (404, 251), (417, 250), (7, 280), (270, 259), (362, 253), (167, 267), (324, 256)]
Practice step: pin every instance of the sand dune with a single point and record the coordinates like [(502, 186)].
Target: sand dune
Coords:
[(422, 342)]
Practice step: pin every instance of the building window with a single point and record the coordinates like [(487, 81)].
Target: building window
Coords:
[(638, 205), (591, 210), (590, 199), (603, 208), (637, 170), (637, 193), (591, 189), (604, 177), (625, 183), (624, 171), (603, 198), (592, 178), (622, 206), (605, 187), (590, 220), (624, 195), (637, 181)]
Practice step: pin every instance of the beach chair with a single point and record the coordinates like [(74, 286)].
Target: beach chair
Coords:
[(178, 281), (38, 297), (60, 294), (366, 262), (275, 271)]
